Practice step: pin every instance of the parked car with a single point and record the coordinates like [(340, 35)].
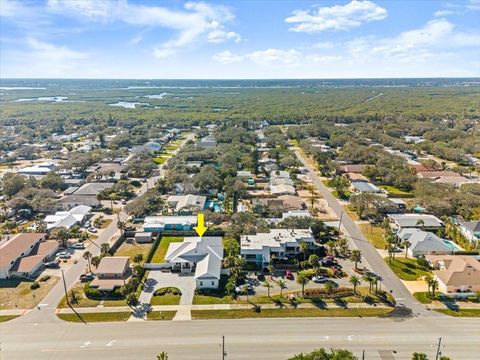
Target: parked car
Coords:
[(87, 277), (289, 275), (245, 289), (124, 202), (92, 229), (79, 246), (130, 228), (319, 279), (64, 255), (260, 276), (53, 264)]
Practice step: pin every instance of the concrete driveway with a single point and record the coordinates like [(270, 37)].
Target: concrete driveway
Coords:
[(157, 280)]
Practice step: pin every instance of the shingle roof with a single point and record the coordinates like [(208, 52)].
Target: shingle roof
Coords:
[(92, 189), (459, 270), (13, 248), (473, 226), (112, 264), (27, 264), (423, 241)]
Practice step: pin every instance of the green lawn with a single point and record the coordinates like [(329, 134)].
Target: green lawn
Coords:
[(424, 298), (396, 191), (96, 317), (207, 300), (167, 299), (161, 250), (374, 234), (279, 313), (459, 313), (160, 159), (352, 213), (4, 318), (406, 269), (161, 315), (83, 301)]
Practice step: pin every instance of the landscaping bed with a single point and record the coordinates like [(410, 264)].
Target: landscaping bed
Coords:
[(166, 296)]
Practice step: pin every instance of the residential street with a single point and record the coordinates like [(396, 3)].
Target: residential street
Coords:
[(265, 339), (369, 253)]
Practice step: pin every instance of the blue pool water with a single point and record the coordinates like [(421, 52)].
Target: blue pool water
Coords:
[(213, 205), (451, 245)]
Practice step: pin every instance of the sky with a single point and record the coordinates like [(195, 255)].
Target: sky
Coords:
[(248, 39)]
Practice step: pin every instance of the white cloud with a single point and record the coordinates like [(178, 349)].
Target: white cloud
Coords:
[(473, 5), (324, 45), (227, 57), (274, 56), (196, 21), (442, 13), (437, 38), (338, 17), (323, 58), (219, 36)]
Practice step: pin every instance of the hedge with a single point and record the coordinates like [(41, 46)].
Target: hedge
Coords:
[(167, 290)]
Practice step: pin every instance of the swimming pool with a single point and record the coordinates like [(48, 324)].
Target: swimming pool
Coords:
[(452, 245), (213, 205)]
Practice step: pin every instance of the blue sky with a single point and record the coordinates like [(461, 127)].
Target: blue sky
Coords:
[(239, 39)]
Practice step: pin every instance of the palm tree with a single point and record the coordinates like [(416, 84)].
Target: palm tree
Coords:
[(368, 278), (355, 281), (87, 255), (356, 257), (420, 223), (331, 246), (283, 285), (302, 280), (434, 284), (313, 260), (419, 356), (162, 356), (62, 235), (138, 258), (428, 279), (95, 261), (104, 249), (329, 287), (406, 244), (268, 285), (270, 270), (304, 249)]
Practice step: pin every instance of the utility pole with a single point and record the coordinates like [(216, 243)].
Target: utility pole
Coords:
[(438, 347), (363, 354), (65, 288), (223, 348), (340, 222)]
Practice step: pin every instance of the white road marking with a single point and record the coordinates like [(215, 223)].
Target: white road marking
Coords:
[(42, 305), (85, 344), (350, 337), (326, 337), (111, 343)]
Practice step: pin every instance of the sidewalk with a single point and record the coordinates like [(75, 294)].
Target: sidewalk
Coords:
[(183, 308)]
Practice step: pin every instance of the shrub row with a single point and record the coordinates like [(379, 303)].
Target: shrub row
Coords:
[(167, 290)]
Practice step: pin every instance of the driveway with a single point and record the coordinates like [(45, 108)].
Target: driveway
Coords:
[(157, 280)]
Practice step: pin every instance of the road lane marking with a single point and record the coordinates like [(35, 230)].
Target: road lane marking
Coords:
[(85, 344), (111, 343)]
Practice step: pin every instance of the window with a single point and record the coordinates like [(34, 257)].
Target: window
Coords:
[(213, 283), (201, 283)]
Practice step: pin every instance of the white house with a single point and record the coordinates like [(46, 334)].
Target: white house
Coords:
[(201, 255), (470, 229), (419, 221), (424, 243), (278, 243), (187, 203), (67, 219)]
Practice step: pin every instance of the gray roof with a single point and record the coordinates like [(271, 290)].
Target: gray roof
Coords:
[(93, 189), (473, 226), (363, 186), (411, 220), (423, 241)]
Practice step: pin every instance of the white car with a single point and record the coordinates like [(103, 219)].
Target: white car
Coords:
[(64, 255), (79, 246), (92, 229)]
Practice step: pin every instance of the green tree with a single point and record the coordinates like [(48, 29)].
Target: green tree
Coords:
[(138, 258), (355, 281), (231, 247), (302, 280), (268, 285), (304, 247), (356, 257), (419, 356), (87, 255), (95, 261), (282, 285), (162, 356), (322, 354), (406, 244)]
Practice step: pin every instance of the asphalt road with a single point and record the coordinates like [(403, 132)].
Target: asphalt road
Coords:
[(369, 253), (264, 339)]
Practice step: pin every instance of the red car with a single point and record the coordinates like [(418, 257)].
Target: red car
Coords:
[(289, 275)]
